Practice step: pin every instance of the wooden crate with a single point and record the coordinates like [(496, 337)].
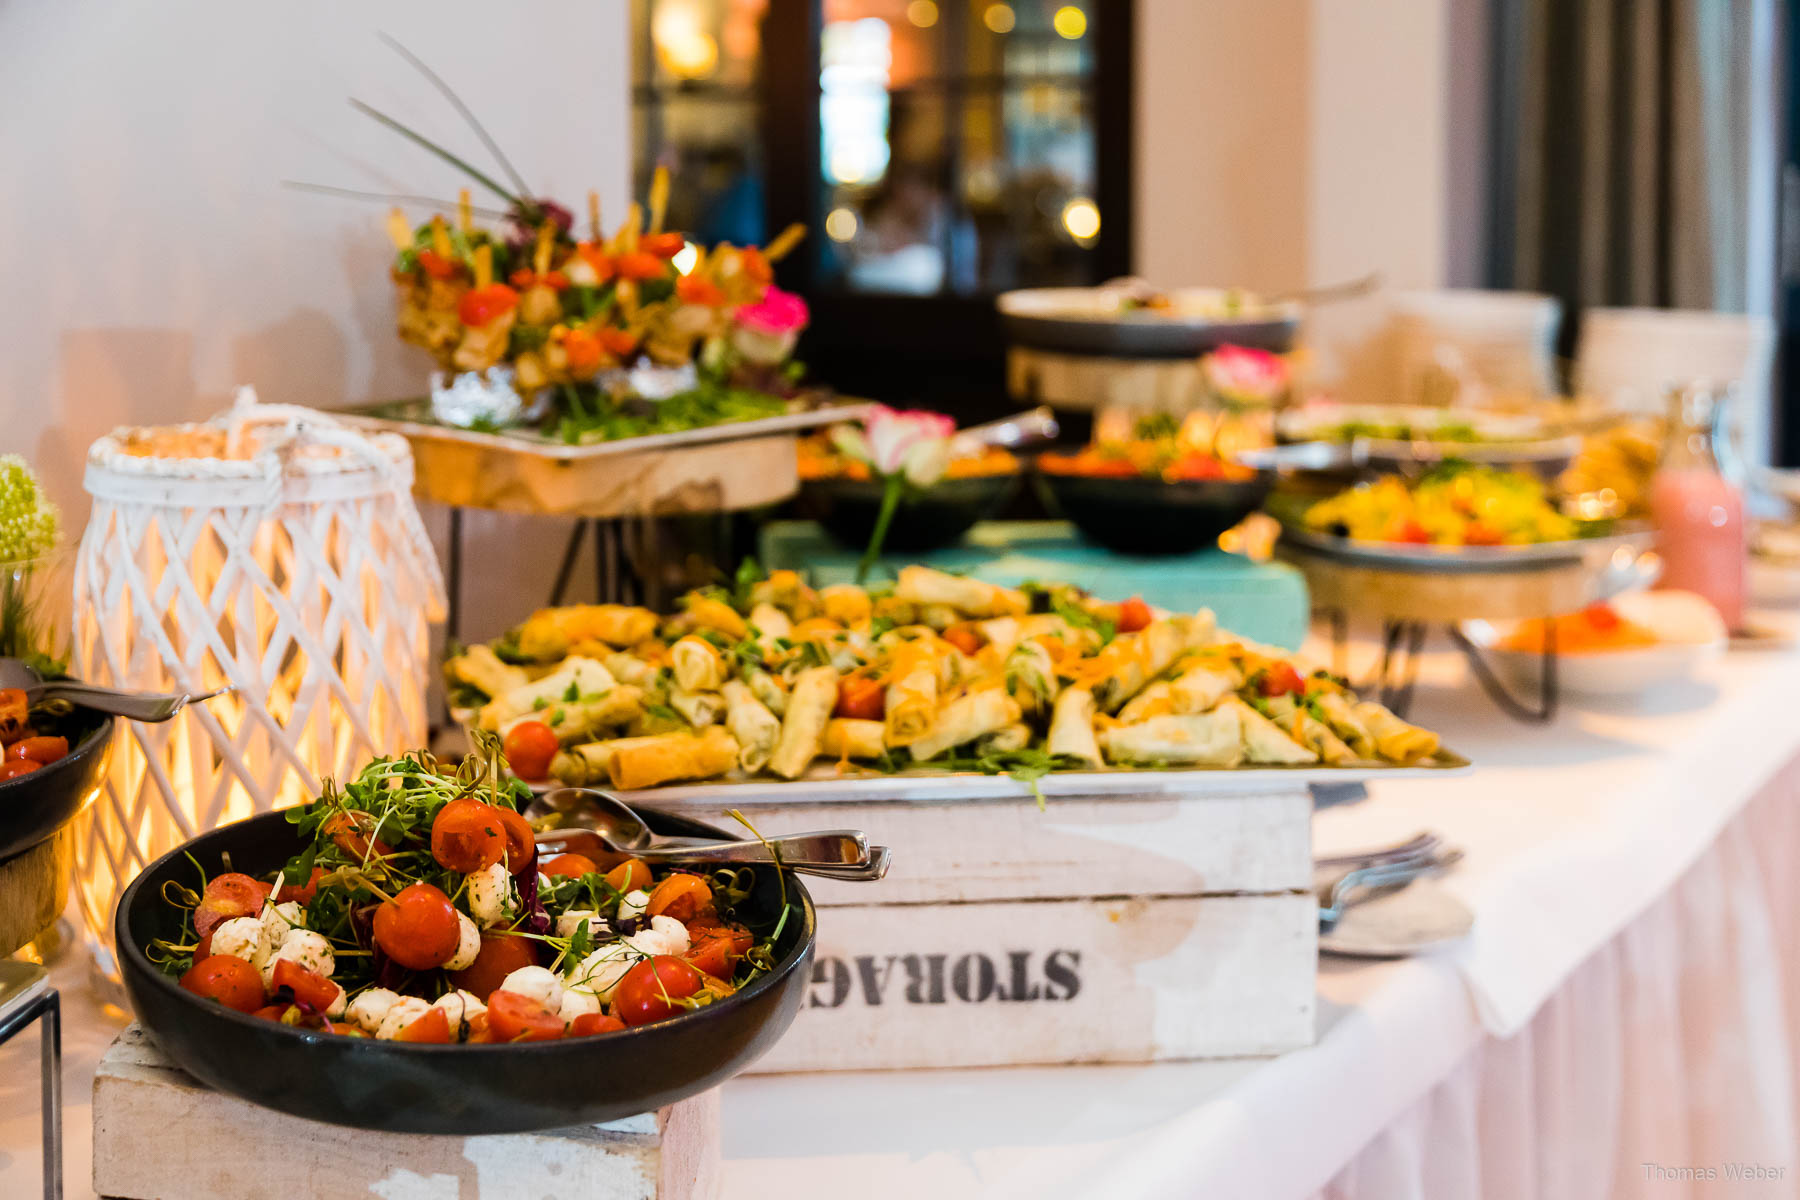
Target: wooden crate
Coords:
[(1126, 928), (159, 1133)]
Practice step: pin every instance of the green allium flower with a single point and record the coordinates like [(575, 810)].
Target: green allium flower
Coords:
[(29, 522)]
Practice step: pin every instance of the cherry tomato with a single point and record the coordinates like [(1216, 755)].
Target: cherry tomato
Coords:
[(663, 245), (681, 896), (716, 952), (1279, 680), (41, 750), (227, 896), (572, 865), (479, 1033), (466, 836), (582, 350), (1414, 533), (589, 1024), (862, 698), (648, 990), (515, 1018), (618, 342), (18, 767), (632, 875), (501, 954), (483, 304), (1134, 615), (418, 928), (279, 1013), (963, 638), (345, 1028), (350, 831), (1479, 534), (308, 988), (529, 747), (521, 842), (436, 265), (302, 893), (434, 1026), (228, 979), (638, 265)]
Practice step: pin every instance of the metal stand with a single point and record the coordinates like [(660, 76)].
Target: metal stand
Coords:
[(1402, 642), (22, 1002)]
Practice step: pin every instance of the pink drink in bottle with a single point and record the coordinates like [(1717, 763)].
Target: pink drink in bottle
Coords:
[(1699, 514)]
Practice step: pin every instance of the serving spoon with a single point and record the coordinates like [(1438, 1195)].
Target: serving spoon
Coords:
[(136, 706), (620, 828)]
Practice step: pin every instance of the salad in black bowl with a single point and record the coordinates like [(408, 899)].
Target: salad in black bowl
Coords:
[(393, 956), (52, 756)]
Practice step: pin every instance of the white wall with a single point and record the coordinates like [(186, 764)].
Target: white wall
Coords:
[(151, 261)]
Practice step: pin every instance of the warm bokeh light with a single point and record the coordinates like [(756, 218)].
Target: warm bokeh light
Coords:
[(686, 257), (1069, 21), (1081, 217), (922, 13), (840, 225), (999, 18), (684, 47)]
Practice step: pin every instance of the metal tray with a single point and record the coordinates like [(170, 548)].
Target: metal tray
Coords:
[(1080, 321), (1464, 560)]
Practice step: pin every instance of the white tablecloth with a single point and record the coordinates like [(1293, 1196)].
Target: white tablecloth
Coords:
[(1644, 965)]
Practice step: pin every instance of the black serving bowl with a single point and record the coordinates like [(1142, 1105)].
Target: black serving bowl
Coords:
[(36, 805), (1151, 516), (449, 1089), (929, 519)]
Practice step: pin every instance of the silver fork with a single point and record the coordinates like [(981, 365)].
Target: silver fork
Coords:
[(1358, 884)]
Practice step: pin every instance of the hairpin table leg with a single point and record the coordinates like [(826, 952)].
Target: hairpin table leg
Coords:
[(567, 568), (19, 1012), (1548, 693), (1399, 668)]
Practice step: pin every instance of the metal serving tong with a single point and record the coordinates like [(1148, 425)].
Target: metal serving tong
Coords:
[(586, 818), (1373, 870), (136, 706)]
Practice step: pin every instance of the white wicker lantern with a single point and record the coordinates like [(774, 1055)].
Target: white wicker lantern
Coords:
[(271, 550)]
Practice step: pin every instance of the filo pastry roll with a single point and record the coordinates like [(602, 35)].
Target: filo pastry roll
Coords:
[(912, 690), (697, 663), (1264, 742), (579, 766), (1005, 739), (752, 724), (548, 633), (770, 622), (577, 676), (1198, 688), (768, 688), (580, 720), (1132, 660), (1031, 676), (846, 603), (1153, 701), (803, 728), (1189, 739), (644, 762), (965, 719), (847, 737), (480, 667), (696, 708), (1345, 723), (1072, 726), (973, 597), (1314, 734), (1395, 740)]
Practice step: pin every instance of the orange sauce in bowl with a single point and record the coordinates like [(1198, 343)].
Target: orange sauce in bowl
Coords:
[(1596, 629)]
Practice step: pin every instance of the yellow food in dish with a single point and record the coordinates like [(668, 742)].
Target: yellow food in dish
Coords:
[(1453, 506)]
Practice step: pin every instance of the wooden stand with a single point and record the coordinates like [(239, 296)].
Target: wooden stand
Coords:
[(33, 888), (159, 1133)]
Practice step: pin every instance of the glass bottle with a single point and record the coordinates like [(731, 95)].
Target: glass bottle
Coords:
[(1699, 513)]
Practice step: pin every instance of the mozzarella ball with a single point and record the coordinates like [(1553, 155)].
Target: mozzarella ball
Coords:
[(576, 1002), (404, 1012), (279, 920), (335, 1010), (673, 932), (601, 971), (370, 1007), (461, 1007), (468, 944), (633, 904), (242, 937), (491, 899), (305, 947), (539, 983), (575, 918)]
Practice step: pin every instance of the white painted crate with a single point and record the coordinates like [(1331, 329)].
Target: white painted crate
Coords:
[(160, 1133)]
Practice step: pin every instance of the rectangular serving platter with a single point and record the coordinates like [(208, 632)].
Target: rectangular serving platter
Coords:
[(404, 417)]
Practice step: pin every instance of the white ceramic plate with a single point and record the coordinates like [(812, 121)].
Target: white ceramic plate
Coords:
[(1690, 630), (1404, 921)]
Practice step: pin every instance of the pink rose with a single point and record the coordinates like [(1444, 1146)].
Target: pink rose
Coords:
[(767, 330), (916, 444), (1245, 376)]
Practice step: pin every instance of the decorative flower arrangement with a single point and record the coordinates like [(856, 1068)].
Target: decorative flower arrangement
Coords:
[(1239, 377), (29, 528), (902, 449)]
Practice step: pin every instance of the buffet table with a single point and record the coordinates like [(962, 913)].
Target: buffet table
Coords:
[(1623, 1015)]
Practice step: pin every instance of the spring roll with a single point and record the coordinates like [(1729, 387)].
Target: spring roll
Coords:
[(939, 617), (972, 597), (481, 668), (846, 737), (1395, 740), (965, 719), (582, 720), (1005, 739), (1264, 742), (1072, 726), (1154, 701), (629, 668), (1201, 629), (549, 633), (706, 612), (1314, 734), (803, 728), (645, 762), (787, 591), (1197, 689), (771, 690), (1132, 660), (574, 679), (580, 766), (912, 692), (1211, 739), (846, 603), (697, 663), (1345, 723), (698, 709), (1043, 625), (1031, 677), (752, 724), (1002, 633), (770, 623)]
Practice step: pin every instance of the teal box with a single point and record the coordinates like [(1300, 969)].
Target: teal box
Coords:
[(1266, 602)]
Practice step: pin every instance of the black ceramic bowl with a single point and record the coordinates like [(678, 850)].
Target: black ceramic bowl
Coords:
[(455, 1089), (34, 806), (1151, 516), (930, 520)]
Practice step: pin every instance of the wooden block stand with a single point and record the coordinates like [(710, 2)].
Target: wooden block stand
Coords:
[(159, 1133), (1122, 928)]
